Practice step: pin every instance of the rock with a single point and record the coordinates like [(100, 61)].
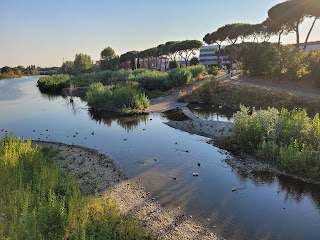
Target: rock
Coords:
[(233, 189)]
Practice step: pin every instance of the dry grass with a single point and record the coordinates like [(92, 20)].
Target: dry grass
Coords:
[(233, 95)]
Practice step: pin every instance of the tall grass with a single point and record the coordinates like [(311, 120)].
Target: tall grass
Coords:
[(196, 70), (179, 76), (289, 139), (101, 98), (233, 95), (54, 83), (39, 201)]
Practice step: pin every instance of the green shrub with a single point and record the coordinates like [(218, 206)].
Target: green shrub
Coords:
[(196, 70), (101, 98), (213, 70), (290, 139), (178, 77), (173, 65), (152, 80), (54, 83)]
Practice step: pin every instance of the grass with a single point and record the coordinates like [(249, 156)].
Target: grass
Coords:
[(100, 97), (233, 95), (54, 83), (39, 201)]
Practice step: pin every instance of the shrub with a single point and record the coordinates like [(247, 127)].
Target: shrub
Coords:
[(152, 80), (100, 97), (213, 70), (173, 65), (289, 139), (196, 70), (178, 77), (54, 83)]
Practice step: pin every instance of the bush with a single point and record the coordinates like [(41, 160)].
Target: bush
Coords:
[(101, 98), (151, 80), (178, 77), (54, 83), (173, 65), (213, 70), (197, 70), (290, 139)]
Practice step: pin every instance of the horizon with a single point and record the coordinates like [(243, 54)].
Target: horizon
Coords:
[(37, 36)]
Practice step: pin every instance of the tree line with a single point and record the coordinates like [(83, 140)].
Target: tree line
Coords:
[(10, 72), (109, 60), (283, 18)]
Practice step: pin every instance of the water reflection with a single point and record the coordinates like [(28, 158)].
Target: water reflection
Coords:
[(127, 122), (175, 115), (211, 111)]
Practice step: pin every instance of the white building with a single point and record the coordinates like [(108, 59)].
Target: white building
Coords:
[(208, 56)]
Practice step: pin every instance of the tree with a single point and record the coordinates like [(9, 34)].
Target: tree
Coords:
[(289, 15), (68, 67), (17, 71), (148, 54), (215, 38), (6, 69), (231, 32), (311, 9), (129, 56), (82, 63), (109, 59), (194, 61), (186, 48)]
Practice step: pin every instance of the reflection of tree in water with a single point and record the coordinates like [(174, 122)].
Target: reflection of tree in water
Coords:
[(292, 188), (128, 123), (209, 111), (52, 97), (257, 177), (295, 189)]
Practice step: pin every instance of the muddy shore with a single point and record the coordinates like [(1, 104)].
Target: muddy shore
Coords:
[(99, 175)]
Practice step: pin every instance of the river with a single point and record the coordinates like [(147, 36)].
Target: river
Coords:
[(265, 206)]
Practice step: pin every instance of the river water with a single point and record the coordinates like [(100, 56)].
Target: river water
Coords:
[(265, 206)]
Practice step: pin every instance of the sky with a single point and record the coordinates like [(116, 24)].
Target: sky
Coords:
[(43, 32)]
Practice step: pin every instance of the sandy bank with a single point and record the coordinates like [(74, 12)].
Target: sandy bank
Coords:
[(99, 175)]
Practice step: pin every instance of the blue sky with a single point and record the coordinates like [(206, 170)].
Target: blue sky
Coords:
[(42, 32)]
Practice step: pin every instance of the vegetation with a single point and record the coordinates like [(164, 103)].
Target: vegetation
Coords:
[(39, 201), (82, 63), (289, 139), (109, 60), (232, 95), (8, 72), (102, 98), (54, 83), (213, 70), (197, 70)]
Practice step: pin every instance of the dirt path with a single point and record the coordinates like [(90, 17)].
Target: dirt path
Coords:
[(170, 102), (99, 175)]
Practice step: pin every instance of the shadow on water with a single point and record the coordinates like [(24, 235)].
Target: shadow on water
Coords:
[(211, 111), (127, 122), (175, 115)]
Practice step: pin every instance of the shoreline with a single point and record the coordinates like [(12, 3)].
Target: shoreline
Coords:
[(99, 175)]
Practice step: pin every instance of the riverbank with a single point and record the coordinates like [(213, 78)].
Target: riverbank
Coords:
[(99, 175)]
